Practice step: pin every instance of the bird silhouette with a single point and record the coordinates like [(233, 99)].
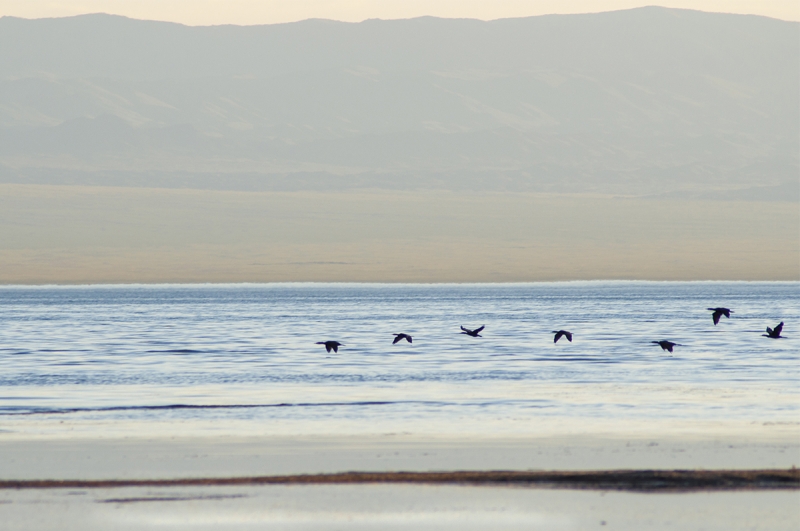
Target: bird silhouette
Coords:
[(473, 333), (560, 333), (330, 345), (774, 333), (719, 312), (399, 337), (666, 345)]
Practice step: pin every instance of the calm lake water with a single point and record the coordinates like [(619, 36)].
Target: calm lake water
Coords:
[(243, 359)]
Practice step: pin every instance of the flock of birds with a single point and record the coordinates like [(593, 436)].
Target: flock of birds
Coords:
[(774, 333)]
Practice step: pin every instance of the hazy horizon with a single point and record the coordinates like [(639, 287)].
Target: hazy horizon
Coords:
[(260, 12), (650, 143)]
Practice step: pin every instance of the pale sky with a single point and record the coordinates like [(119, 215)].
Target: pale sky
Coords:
[(248, 12)]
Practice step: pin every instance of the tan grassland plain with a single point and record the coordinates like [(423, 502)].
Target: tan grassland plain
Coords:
[(78, 234)]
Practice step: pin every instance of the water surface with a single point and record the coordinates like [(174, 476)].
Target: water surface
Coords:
[(243, 358)]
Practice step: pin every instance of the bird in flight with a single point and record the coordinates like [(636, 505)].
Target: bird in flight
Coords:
[(473, 333), (330, 345), (666, 345), (399, 337), (774, 333), (561, 333), (719, 312)]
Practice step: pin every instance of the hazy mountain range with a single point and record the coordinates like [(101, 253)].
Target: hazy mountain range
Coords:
[(647, 101)]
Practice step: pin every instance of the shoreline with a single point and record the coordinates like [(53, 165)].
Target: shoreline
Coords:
[(205, 458), (616, 480)]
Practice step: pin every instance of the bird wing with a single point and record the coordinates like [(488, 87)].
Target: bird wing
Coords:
[(569, 336), (335, 348), (778, 329), (716, 315), (465, 329), (408, 338), (397, 338), (558, 336), (726, 312), (669, 348), (477, 330)]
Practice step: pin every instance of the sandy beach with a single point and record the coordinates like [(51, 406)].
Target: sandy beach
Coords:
[(402, 505), (193, 457)]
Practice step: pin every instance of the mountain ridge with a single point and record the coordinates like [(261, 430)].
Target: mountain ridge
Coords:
[(648, 101)]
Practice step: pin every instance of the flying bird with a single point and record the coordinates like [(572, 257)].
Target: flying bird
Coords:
[(666, 345), (399, 337), (560, 333), (774, 333), (330, 345), (473, 333), (719, 312)]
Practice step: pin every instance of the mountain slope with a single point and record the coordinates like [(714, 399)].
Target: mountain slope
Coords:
[(647, 101)]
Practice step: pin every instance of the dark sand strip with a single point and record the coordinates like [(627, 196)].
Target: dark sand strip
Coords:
[(621, 480)]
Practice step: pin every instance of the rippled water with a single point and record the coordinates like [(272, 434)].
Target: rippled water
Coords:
[(244, 356)]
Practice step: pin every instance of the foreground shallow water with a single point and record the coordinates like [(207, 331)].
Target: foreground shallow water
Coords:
[(390, 507)]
